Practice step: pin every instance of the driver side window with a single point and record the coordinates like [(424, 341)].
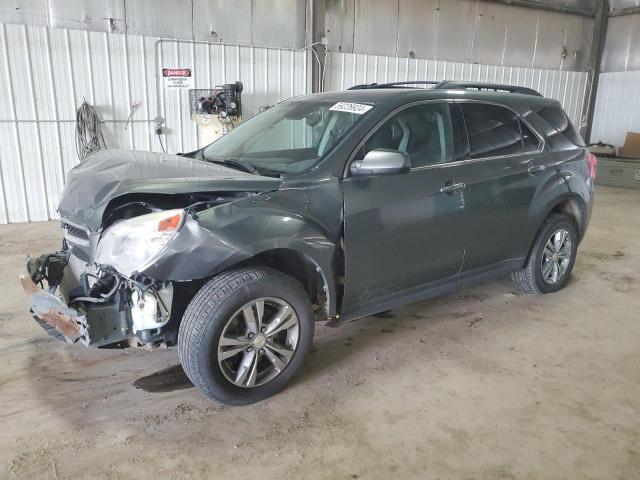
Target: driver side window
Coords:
[(424, 132)]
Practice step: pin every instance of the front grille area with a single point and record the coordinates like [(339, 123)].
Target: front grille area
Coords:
[(78, 266), (75, 231)]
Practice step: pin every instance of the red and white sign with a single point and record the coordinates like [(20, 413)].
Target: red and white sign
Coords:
[(177, 78)]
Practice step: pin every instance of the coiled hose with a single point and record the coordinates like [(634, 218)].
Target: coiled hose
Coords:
[(89, 137)]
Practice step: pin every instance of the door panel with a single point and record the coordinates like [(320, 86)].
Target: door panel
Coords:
[(499, 194), (401, 231), (505, 170)]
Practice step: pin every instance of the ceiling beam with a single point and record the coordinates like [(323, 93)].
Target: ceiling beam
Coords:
[(597, 48)]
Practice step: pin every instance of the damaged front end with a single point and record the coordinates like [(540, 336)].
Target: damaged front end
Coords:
[(120, 276), (96, 306)]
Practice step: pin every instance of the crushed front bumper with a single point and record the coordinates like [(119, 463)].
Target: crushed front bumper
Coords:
[(96, 324), (51, 313)]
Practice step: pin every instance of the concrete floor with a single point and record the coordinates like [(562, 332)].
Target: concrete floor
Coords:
[(484, 384)]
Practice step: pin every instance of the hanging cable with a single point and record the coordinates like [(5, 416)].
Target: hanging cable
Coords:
[(159, 133), (89, 137), (321, 66)]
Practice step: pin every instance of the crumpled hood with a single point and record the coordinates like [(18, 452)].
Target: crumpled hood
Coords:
[(107, 174)]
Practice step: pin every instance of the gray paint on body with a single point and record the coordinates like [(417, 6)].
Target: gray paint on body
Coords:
[(403, 237)]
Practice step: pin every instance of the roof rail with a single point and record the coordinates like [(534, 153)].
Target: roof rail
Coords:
[(393, 84), (496, 87), (451, 85)]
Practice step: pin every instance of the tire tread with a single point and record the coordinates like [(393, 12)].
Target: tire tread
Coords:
[(202, 307), (525, 279)]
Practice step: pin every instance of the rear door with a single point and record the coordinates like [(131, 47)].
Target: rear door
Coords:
[(403, 231), (506, 166)]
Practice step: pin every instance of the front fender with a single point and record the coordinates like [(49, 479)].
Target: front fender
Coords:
[(223, 236)]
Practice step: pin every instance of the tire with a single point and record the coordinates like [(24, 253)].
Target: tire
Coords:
[(532, 278), (220, 305)]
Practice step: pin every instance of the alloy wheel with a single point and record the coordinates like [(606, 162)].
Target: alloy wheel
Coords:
[(258, 342), (556, 256)]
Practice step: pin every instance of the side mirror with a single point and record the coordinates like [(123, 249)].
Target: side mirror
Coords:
[(381, 161)]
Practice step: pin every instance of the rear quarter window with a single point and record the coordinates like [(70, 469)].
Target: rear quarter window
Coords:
[(559, 121)]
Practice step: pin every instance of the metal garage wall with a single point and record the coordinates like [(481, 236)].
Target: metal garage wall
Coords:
[(46, 72), (346, 69), (618, 97), (266, 23), (617, 107), (468, 31)]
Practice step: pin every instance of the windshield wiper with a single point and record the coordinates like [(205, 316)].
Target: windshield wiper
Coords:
[(233, 162)]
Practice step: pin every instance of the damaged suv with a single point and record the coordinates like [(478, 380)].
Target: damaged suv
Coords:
[(326, 207)]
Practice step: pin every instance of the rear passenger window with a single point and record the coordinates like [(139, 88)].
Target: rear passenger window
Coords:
[(492, 130), (423, 131)]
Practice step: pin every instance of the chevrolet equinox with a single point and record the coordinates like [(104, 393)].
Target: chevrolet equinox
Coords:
[(326, 207)]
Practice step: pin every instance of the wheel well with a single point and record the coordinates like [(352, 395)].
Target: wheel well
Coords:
[(300, 267), (574, 208), (289, 262)]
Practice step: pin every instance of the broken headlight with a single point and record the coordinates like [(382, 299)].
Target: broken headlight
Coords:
[(133, 245)]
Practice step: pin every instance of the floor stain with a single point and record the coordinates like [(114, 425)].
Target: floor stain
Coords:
[(166, 380)]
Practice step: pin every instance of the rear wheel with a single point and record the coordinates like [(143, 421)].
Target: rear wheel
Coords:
[(245, 334), (551, 258)]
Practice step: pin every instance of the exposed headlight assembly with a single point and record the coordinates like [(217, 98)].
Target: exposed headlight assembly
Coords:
[(133, 245)]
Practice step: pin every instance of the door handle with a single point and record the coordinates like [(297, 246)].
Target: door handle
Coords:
[(452, 188), (536, 168)]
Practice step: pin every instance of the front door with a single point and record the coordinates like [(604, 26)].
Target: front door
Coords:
[(405, 231)]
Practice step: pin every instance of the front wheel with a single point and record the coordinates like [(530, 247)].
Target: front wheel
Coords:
[(245, 334), (551, 258)]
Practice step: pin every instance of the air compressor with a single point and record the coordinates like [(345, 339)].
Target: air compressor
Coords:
[(216, 111)]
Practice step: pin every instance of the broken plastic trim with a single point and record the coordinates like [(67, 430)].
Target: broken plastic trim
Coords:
[(51, 310)]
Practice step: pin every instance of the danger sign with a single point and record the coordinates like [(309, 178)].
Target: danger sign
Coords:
[(177, 78)]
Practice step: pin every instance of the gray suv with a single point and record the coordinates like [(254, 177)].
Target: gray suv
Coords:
[(326, 207)]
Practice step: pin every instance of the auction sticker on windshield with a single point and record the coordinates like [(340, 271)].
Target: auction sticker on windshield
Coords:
[(357, 108)]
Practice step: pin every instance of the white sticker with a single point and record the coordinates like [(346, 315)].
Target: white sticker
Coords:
[(357, 108), (177, 78)]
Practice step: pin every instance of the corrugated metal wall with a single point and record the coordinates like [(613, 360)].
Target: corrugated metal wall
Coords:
[(45, 73), (617, 107), (469, 31), (267, 23), (622, 45), (347, 69)]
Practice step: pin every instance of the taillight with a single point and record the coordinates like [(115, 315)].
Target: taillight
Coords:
[(592, 162)]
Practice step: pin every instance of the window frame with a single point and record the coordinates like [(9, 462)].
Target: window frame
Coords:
[(525, 125), (450, 102), (447, 101), (541, 145)]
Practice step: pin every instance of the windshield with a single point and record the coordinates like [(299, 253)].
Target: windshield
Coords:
[(288, 138)]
